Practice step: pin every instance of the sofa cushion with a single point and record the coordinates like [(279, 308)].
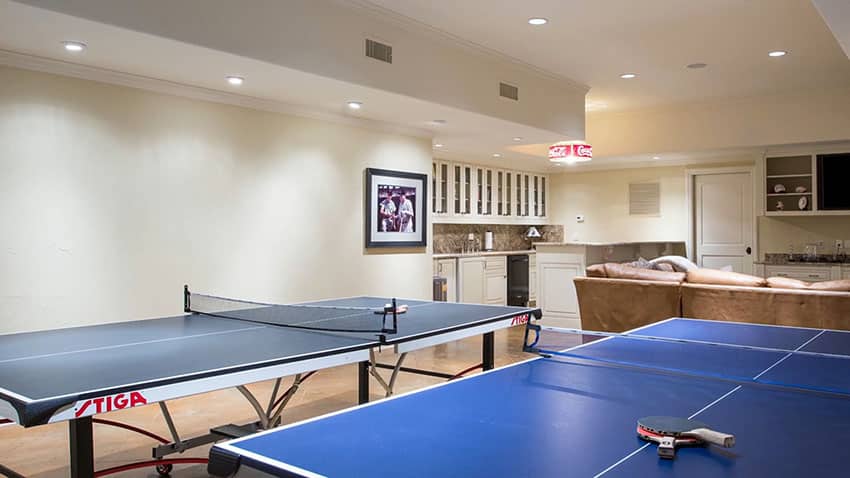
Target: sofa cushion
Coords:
[(663, 266), (622, 271), (595, 270), (714, 276), (832, 285), (787, 283)]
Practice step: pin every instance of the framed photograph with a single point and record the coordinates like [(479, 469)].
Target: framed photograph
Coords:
[(395, 208)]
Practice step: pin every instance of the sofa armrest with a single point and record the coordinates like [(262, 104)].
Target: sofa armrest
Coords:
[(617, 305)]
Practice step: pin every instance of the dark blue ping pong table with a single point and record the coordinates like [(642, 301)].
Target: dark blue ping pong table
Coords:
[(77, 373), (783, 391)]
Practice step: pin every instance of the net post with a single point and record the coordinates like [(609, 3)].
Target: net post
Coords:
[(187, 305)]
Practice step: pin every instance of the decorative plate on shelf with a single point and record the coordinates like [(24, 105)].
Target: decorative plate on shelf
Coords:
[(802, 203)]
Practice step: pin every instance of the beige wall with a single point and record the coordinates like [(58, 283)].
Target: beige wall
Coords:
[(603, 198), (777, 233), (112, 198)]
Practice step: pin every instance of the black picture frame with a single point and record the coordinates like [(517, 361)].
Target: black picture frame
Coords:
[(401, 230)]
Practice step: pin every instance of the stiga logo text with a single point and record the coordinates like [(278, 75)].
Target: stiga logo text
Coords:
[(520, 319), (110, 403)]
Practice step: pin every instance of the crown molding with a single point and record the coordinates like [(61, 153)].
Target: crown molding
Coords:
[(156, 85), (415, 26)]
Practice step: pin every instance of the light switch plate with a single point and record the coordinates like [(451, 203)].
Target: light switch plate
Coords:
[(580, 218)]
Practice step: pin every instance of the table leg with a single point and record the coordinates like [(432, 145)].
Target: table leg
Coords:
[(488, 351), (81, 447), (363, 382)]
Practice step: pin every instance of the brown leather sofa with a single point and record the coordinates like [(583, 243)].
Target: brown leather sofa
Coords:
[(610, 302)]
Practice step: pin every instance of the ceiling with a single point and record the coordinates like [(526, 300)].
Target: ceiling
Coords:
[(594, 42), (587, 43)]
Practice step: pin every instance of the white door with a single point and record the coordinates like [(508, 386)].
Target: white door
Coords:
[(723, 219)]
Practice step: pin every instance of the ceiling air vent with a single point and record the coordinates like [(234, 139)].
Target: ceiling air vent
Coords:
[(508, 91), (379, 51), (644, 199)]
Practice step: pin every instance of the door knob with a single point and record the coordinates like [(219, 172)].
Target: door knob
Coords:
[(749, 250)]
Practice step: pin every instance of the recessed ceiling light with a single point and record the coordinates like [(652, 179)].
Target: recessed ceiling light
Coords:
[(656, 157), (74, 46), (537, 21), (697, 66), (438, 122), (438, 145), (517, 139), (628, 76), (777, 53), (354, 105), (235, 80), (497, 155)]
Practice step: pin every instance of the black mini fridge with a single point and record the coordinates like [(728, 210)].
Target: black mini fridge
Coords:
[(518, 280)]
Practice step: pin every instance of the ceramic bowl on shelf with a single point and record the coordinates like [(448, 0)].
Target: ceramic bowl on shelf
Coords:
[(780, 206), (800, 189), (779, 188)]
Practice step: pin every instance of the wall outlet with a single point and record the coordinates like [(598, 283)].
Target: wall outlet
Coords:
[(839, 244)]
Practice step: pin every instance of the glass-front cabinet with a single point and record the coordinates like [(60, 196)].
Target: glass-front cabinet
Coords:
[(464, 192)]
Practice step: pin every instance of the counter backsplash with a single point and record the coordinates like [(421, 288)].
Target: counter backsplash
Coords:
[(449, 238)]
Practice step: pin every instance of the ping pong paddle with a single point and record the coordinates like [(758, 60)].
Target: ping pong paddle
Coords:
[(400, 309), (666, 444), (671, 431)]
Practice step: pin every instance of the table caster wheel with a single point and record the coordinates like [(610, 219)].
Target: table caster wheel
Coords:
[(164, 470)]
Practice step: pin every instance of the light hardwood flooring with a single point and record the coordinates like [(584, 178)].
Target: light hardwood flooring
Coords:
[(41, 452)]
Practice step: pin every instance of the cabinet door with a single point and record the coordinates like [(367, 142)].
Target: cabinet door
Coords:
[(462, 188), (496, 270), (542, 196), (846, 272), (526, 200), (434, 188), (518, 199), (471, 282), (499, 198), (509, 192)]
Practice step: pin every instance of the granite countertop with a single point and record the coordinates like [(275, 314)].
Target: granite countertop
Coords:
[(803, 264), (604, 244), (453, 255), (780, 259)]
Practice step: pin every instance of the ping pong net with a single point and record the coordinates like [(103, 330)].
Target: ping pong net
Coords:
[(702, 359), (312, 317)]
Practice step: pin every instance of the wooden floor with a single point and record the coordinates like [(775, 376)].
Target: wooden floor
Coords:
[(41, 452)]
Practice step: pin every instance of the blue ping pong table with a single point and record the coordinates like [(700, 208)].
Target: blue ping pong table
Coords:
[(71, 375), (784, 392)]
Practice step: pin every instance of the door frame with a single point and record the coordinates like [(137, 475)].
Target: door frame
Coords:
[(691, 174)]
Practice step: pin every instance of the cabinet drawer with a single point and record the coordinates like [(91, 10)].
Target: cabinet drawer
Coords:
[(810, 274), (495, 265)]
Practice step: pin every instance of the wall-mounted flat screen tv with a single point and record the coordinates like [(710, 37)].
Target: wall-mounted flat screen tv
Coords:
[(834, 182)]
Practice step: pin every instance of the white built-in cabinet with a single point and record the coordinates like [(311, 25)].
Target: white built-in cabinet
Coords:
[(532, 278), (482, 194), (804, 272), (482, 280)]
